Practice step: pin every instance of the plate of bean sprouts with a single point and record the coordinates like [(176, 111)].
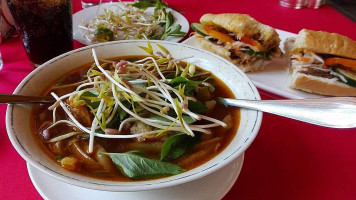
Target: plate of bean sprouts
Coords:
[(124, 21)]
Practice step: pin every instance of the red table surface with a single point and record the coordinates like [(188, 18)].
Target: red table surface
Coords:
[(287, 160)]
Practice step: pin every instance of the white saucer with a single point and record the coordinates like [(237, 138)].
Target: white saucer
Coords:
[(212, 187)]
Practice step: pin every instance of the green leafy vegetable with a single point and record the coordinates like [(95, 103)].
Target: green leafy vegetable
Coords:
[(135, 166), (58, 158), (158, 4), (104, 34), (177, 145), (143, 4), (181, 80), (260, 54), (169, 20), (172, 29), (186, 118), (189, 84), (197, 106), (86, 98), (122, 113)]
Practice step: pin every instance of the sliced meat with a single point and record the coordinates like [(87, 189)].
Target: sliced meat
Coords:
[(317, 72), (241, 57), (81, 113)]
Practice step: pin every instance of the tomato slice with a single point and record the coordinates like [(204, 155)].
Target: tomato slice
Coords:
[(252, 43), (346, 63), (218, 35)]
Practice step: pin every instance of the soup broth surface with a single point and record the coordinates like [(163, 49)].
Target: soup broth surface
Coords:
[(75, 148)]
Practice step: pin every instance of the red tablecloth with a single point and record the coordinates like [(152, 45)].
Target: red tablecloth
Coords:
[(288, 159)]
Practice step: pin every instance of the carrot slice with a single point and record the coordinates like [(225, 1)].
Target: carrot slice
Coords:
[(252, 43), (227, 38), (303, 59), (346, 63), (218, 35)]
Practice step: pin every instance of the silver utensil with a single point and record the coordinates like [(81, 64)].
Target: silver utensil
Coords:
[(12, 98), (334, 112)]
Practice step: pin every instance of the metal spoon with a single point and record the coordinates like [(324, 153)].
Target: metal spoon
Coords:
[(334, 112), (12, 98)]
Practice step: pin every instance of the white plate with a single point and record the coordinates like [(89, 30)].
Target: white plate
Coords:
[(90, 13), (273, 79), (212, 187)]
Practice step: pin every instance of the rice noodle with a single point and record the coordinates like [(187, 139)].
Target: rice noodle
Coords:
[(113, 88)]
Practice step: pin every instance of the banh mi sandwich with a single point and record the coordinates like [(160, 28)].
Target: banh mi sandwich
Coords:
[(239, 38), (322, 63)]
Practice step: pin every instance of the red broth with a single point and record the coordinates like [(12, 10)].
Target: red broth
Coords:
[(208, 147)]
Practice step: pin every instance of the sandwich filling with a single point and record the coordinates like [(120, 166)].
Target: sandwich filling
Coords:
[(325, 66), (243, 50)]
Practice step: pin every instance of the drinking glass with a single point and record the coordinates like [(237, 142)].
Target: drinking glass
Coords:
[(315, 3), (44, 26), (296, 4), (88, 3)]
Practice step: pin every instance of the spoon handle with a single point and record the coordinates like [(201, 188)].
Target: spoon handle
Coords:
[(334, 112), (12, 98)]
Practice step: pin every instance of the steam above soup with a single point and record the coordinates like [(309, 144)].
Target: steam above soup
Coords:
[(135, 117)]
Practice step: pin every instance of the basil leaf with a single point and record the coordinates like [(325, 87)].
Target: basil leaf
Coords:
[(115, 122), (171, 76), (181, 80), (160, 5), (197, 106), (175, 30), (189, 84), (104, 34), (177, 145), (137, 167), (189, 88), (122, 113), (186, 118), (143, 4), (170, 29), (94, 105), (136, 152), (119, 116), (169, 20)]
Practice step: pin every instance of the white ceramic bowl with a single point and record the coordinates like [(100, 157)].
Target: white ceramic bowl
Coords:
[(20, 132)]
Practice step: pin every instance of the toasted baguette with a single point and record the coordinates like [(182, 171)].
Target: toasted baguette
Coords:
[(319, 85), (325, 43), (313, 84), (243, 25)]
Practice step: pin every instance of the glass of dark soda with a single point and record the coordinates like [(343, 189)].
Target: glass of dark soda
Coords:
[(45, 27)]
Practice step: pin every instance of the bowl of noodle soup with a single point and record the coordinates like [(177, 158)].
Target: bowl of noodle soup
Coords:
[(77, 156)]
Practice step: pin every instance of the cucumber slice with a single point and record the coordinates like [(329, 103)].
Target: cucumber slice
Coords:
[(350, 76), (199, 28)]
